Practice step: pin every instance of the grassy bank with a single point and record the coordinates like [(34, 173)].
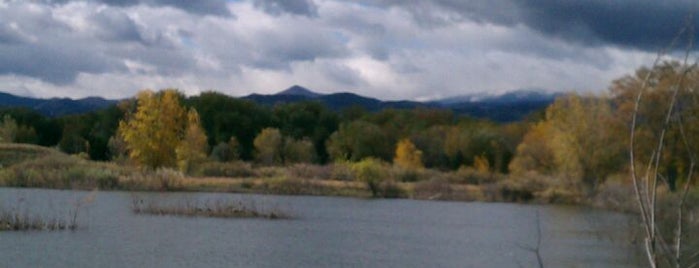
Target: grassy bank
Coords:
[(39, 167)]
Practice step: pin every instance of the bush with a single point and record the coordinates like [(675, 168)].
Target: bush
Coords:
[(374, 173)]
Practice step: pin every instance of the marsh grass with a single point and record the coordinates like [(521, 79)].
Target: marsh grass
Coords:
[(17, 221), (219, 208), (19, 217)]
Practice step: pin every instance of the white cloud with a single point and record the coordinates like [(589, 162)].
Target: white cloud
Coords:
[(84, 48)]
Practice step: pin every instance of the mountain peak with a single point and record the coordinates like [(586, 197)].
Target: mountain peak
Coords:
[(297, 90)]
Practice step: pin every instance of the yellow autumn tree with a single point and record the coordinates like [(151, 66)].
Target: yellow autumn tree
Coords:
[(192, 149), (481, 164), (155, 129), (407, 155), (534, 153), (576, 142)]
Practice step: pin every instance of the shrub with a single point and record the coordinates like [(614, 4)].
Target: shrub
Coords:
[(374, 173)]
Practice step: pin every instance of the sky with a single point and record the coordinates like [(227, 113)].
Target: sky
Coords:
[(388, 49)]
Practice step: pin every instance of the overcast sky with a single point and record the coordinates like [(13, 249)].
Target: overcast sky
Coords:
[(390, 49)]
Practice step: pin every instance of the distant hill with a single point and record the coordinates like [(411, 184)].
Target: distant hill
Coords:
[(511, 106), (335, 101), (297, 90), (55, 107)]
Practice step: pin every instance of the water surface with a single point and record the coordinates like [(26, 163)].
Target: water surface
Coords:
[(326, 232)]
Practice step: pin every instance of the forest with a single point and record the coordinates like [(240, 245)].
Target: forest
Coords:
[(575, 148)]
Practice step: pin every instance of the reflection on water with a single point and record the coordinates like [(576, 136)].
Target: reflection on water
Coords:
[(326, 232)]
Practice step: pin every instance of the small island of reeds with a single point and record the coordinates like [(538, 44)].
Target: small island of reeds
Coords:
[(220, 208)]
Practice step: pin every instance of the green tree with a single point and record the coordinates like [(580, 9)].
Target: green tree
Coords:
[(268, 147), (224, 117), (311, 120), (226, 151), (298, 151), (8, 129), (358, 140)]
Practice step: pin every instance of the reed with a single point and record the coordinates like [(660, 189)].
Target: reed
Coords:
[(219, 208)]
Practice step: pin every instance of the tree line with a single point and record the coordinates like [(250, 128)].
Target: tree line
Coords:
[(581, 140)]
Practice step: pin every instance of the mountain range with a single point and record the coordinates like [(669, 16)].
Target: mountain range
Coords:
[(506, 107), (55, 107)]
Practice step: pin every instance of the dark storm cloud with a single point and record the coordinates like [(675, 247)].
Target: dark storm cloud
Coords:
[(647, 25), (201, 7), (116, 26), (641, 24), (296, 7), (9, 35), (58, 65), (33, 43)]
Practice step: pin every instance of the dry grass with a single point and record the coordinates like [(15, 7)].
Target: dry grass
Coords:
[(13, 153), (60, 171)]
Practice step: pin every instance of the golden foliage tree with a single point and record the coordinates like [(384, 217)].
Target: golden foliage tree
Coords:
[(481, 164), (193, 147), (534, 153), (577, 141), (658, 85), (155, 129), (407, 155)]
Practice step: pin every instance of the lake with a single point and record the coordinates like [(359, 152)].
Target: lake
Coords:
[(325, 232)]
